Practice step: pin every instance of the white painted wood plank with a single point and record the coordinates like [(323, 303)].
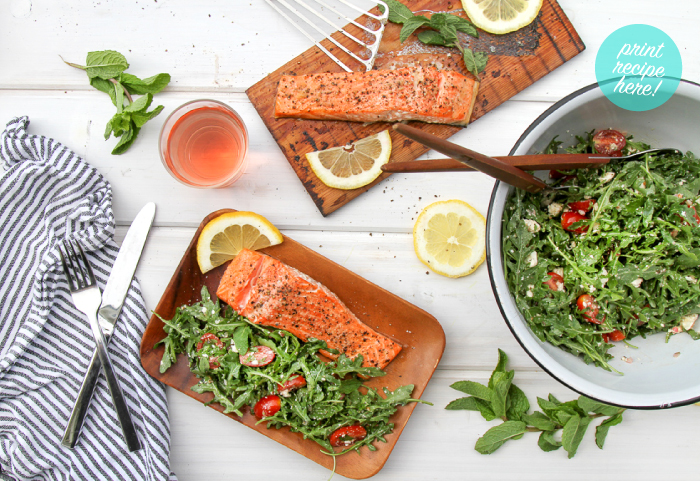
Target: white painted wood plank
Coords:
[(215, 45), (269, 185)]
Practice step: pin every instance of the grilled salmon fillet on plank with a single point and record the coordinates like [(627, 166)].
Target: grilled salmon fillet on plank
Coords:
[(271, 293), (422, 93)]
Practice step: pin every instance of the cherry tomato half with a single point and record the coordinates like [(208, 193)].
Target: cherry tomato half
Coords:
[(609, 142), (214, 362), (267, 406), (589, 307), (555, 281), (257, 356), (209, 337), (582, 205), (347, 435), (294, 382), (570, 218), (613, 336)]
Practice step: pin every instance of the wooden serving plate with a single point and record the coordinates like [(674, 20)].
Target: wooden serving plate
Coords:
[(419, 333), (516, 61)]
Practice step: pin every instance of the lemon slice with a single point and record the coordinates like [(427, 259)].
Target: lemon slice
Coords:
[(501, 16), (223, 237), (353, 165), (450, 238)]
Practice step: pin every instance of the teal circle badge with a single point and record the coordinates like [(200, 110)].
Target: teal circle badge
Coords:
[(638, 67)]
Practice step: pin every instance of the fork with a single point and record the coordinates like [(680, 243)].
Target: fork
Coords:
[(87, 299)]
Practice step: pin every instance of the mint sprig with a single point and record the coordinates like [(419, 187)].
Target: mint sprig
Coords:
[(106, 71), (441, 30), (502, 399)]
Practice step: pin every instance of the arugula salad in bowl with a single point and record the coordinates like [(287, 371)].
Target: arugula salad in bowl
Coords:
[(599, 277)]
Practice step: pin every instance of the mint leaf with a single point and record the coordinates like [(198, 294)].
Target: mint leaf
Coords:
[(602, 430), (573, 432), (411, 25), (501, 386), (500, 366), (105, 64), (104, 86), (126, 140), (431, 37), (462, 25), (473, 404), (473, 388), (588, 405), (547, 443), (398, 12), (150, 85), (518, 404), (105, 69), (475, 62), (497, 435), (539, 421)]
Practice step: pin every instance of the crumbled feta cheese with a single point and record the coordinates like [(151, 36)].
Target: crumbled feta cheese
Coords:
[(532, 226), (688, 321), (554, 209), (559, 270), (530, 292), (637, 282), (607, 177), (532, 259), (691, 279)]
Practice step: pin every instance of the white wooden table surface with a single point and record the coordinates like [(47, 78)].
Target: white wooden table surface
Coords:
[(217, 49)]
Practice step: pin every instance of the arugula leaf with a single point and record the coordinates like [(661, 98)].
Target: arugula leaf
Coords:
[(105, 69)]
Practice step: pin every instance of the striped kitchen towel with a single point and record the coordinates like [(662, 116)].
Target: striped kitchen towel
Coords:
[(47, 194)]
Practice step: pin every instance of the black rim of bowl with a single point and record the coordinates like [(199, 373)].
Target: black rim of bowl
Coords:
[(489, 256)]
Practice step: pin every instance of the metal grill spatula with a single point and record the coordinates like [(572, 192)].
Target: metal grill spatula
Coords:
[(318, 15)]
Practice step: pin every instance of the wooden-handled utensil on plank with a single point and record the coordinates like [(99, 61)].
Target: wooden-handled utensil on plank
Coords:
[(509, 169), (524, 162), (483, 163)]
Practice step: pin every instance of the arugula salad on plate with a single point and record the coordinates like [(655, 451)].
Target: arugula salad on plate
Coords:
[(612, 255), (280, 378)]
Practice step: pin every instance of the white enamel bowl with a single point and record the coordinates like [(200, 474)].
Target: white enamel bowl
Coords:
[(655, 378)]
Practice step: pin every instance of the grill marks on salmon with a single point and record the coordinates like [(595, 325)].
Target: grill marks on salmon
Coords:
[(422, 93), (271, 293)]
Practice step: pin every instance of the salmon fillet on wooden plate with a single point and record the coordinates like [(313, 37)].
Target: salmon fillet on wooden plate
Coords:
[(410, 93), (271, 293)]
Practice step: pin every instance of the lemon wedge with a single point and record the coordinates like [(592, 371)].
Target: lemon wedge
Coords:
[(353, 165), (450, 238), (224, 236), (501, 16)]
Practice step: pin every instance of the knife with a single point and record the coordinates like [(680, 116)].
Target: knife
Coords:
[(113, 298)]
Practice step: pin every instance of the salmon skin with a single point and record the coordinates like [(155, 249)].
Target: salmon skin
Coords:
[(271, 293), (422, 93)]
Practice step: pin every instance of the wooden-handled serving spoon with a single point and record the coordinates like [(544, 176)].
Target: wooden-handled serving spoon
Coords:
[(509, 169)]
